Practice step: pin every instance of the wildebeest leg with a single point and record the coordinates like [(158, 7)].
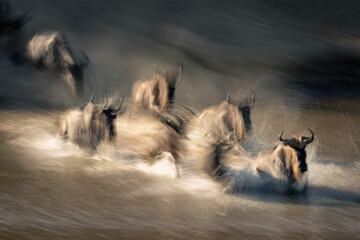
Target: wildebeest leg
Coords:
[(71, 82), (169, 156), (177, 163), (79, 86), (78, 78), (265, 176), (63, 130)]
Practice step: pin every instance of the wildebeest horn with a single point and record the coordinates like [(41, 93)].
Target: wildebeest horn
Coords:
[(252, 99), (86, 63), (310, 139), (120, 105), (155, 68), (187, 108), (180, 75), (92, 98), (281, 139), (228, 97)]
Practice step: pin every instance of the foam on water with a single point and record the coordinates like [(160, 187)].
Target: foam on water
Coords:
[(65, 186), (36, 139)]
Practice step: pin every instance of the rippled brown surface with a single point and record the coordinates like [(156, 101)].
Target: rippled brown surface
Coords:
[(51, 190)]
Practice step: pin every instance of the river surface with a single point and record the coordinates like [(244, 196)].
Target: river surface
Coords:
[(302, 60)]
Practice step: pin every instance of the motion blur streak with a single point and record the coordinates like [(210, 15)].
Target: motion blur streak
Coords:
[(300, 57)]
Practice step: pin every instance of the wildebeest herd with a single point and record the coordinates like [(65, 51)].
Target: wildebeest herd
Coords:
[(152, 124)]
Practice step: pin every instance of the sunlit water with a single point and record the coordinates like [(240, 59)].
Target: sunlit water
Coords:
[(53, 189)]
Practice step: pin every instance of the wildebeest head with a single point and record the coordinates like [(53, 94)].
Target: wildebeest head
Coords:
[(244, 106), (299, 144), (8, 23), (89, 126), (111, 113), (173, 78), (108, 110)]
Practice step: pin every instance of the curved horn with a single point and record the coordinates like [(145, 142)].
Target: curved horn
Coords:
[(311, 138), (155, 68), (92, 98), (180, 75), (120, 105), (187, 108), (281, 139), (252, 99), (228, 97)]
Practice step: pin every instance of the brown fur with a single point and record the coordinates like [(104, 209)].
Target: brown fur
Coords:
[(146, 136), (156, 95), (50, 51), (211, 134), (87, 127), (151, 95), (224, 120), (282, 163)]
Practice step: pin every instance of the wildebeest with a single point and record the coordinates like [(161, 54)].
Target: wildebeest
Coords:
[(287, 161), (143, 139), (89, 126), (147, 137), (8, 23), (216, 131), (50, 51), (157, 95), (11, 28)]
